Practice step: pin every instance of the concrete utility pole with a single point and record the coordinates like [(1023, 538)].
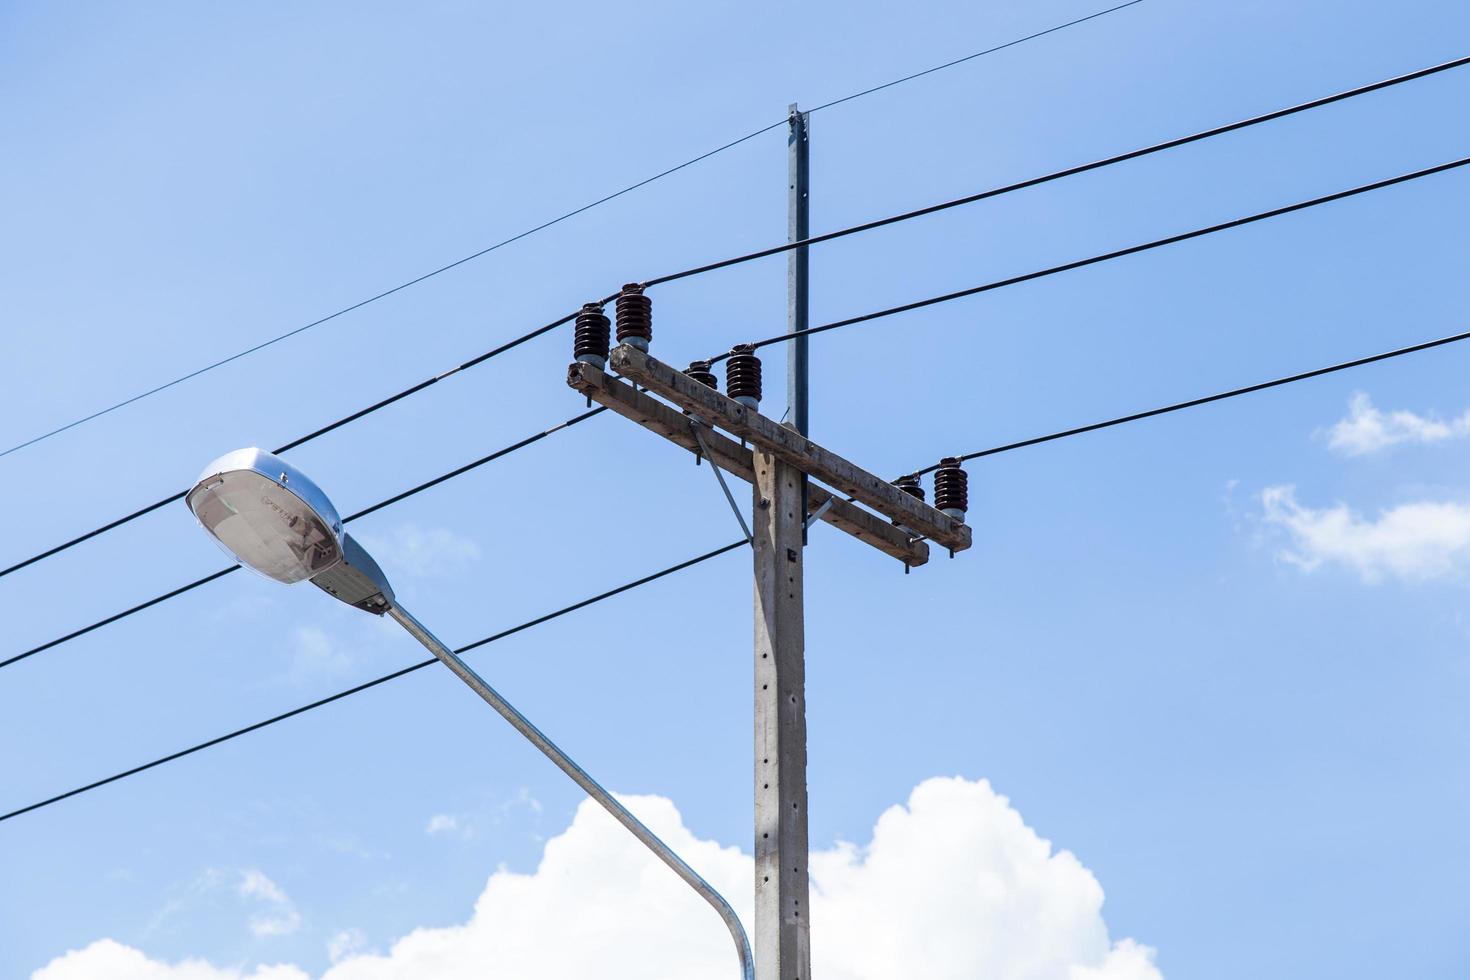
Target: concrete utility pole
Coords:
[(779, 462), (782, 921), (782, 909)]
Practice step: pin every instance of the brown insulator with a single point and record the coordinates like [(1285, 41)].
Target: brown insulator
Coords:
[(590, 342), (743, 376), (700, 371), (635, 317), (951, 488), (910, 485)]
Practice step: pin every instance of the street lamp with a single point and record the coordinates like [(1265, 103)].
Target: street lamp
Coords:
[(274, 520)]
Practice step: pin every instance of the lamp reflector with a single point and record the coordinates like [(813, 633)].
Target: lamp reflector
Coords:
[(269, 516)]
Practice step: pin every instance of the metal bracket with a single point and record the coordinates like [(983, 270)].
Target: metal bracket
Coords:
[(817, 515), (694, 427)]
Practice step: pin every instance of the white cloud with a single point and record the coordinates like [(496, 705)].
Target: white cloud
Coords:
[(279, 917), (412, 551), (1368, 430), (522, 798), (442, 823), (952, 886), (346, 943), (108, 960), (1414, 541), (316, 653), (254, 884)]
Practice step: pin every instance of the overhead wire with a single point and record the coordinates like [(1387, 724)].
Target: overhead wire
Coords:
[(373, 508), (1208, 399), (368, 685), (1065, 172), (1235, 223), (788, 246), (302, 440), (1037, 440), (1105, 256), (532, 231), (972, 57)]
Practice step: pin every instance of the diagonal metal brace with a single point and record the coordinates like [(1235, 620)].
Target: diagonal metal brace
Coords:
[(720, 476), (817, 515)]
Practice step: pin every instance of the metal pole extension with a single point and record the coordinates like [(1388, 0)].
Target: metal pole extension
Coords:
[(782, 906), (563, 762), (798, 228)]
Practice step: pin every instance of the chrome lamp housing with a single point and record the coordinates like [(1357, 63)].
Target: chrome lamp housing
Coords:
[(275, 521)]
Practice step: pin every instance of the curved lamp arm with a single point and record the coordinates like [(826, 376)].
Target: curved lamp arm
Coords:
[(579, 776)]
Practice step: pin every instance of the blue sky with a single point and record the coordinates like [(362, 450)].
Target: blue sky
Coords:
[(1240, 706)]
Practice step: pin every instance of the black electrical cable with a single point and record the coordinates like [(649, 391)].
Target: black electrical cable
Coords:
[(1207, 399), (1107, 256), (776, 250), (1068, 172), (358, 689), (1065, 433), (539, 228), (459, 471), (346, 419), (971, 57)]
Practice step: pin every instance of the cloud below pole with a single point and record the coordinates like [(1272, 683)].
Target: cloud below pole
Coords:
[(952, 886)]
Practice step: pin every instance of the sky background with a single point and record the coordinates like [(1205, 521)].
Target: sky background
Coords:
[(1239, 705)]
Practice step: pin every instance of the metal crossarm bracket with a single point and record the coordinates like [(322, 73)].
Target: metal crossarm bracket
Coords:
[(816, 515), (790, 446), (720, 476), (730, 456)]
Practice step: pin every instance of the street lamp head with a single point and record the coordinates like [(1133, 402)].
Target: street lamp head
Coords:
[(274, 520), (267, 514)]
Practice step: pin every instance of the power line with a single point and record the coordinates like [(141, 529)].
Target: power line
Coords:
[(1065, 433), (1207, 399), (1067, 172), (329, 427), (532, 231), (971, 57), (458, 471), (855, 229), (358, 689), (1107, 256)]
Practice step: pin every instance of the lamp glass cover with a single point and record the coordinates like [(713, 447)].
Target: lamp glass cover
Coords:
[(264, 525)]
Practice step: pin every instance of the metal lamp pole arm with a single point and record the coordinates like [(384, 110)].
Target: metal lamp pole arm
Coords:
[(593, 789)]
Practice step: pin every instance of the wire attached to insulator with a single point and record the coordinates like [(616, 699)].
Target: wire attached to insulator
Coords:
[(910, 485), (635, 317), (700, 371), (743, 376), (590, 340), (952, 488)]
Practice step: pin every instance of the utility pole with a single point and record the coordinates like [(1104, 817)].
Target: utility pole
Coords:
[(779, 461), (782, 907), (782, 910)]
